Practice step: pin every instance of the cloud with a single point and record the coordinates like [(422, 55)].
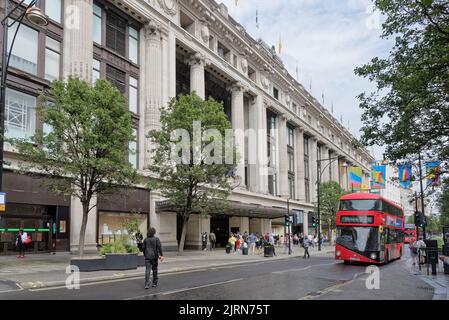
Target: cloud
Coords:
[(327, 39)]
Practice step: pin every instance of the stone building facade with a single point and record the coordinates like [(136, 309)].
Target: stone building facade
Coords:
[(153, 50)]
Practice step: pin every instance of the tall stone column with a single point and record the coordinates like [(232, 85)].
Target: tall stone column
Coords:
[(325, 164), (152, 81), (335, 167), (78, 39), (300, 176), (77, 62), (197, 80), (252, 146), (262, 152), (284, 191), (313, 169), (238, 124)]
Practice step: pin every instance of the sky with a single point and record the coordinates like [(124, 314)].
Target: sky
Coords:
[(327, 40)]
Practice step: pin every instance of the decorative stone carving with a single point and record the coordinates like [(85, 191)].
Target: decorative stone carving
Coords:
[(152, 30), (196, 59), (205, 34), (244, 65), (169, 6), (265, 82)]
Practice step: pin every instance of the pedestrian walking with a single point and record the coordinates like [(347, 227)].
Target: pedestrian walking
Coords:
[(20, 243), (232, 240), (152, 250), (252, 243), (306, 246), (204, 240), (420, 244), (212, 240), (413, 251)]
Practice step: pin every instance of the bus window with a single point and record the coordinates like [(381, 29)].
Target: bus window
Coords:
[(359, 205)]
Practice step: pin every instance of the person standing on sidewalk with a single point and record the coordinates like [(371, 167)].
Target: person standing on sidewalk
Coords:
[(204, 240), (20, 244), (152, 250), (306, 245), (212, 240), (252, 243)]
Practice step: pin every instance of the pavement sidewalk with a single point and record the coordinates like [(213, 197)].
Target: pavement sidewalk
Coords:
[(48, 270)]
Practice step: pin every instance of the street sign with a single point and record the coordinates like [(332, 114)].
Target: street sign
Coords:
[(2, 201)]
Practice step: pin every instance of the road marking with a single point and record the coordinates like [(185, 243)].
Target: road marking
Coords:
[(302, 269), (13, 290), (334, 288), (184, 289)]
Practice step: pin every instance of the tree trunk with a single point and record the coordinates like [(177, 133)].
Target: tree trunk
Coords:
[(83, 230), (185, 220)]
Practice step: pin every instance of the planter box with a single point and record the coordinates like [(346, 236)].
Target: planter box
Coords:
[(125, 261), (89, 264)]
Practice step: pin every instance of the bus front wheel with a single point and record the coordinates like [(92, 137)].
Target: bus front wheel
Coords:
[(346, 262)]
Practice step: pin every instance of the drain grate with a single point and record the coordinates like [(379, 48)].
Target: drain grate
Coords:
[(426, 288)]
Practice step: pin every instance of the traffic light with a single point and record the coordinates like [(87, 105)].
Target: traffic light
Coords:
[(420, 219), (314, 222), (286, 220)]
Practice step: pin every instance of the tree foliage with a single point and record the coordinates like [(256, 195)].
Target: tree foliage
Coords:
[(84, 152), (191, 185), (409, 111), (330, 194), (443, 204)]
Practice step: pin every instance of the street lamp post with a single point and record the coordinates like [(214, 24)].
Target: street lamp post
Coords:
[(319, 174), (35, 16)]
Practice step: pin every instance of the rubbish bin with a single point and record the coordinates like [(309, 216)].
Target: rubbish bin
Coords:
[(228, 248), (245, 251), (268, 251)]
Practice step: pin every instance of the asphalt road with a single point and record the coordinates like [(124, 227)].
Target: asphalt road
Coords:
[(291, 279)]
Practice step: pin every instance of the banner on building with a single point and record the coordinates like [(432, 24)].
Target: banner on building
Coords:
[(405, 175), (379, 175), (355, 178), (433, 173)]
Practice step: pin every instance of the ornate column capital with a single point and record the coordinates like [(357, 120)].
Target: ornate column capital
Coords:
[(152, 31), (196, 59)]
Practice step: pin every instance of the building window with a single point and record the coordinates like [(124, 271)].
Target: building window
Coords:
[(211, 43), (291, 186), (187, 23), (275, 93), (52, 59), (294, 108), (291, 161), (25, 51), (290, 136), (251, 74), (234, 61), (331, 164), (272, 184), (133, 94), (116, 33), (133, 150), (133, 45), (223, 52), (54, 10), (306, 169), (96, 72), (20, 115), (97, 25), (117, 78)]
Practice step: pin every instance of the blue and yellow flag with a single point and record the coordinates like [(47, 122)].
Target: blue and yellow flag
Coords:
[(379, 175), (405, 175), (433, 173), (355, 178)]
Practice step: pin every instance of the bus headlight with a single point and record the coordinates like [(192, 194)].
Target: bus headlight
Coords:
[(337, 253), (373, 256)]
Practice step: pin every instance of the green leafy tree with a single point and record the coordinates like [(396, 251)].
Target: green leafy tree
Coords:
[(86, 146), (443, 204), (408, 113), (192, 185), (330, 194)]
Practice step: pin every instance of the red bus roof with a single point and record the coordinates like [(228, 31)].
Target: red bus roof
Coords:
[(367, 196)]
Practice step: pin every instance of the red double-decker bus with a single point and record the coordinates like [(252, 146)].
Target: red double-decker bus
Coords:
[(410, 233), (369, 229)]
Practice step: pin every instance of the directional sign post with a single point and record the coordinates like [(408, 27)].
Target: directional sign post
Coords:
[(2, 201)]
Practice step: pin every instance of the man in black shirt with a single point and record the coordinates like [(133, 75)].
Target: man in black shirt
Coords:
[(152, 249)]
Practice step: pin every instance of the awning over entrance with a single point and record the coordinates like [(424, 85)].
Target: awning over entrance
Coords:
[(233, 208)]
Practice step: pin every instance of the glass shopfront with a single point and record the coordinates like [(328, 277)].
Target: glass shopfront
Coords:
[(111, 225)]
